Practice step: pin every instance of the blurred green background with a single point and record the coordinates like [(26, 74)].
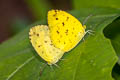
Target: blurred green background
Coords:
[(18, 14)]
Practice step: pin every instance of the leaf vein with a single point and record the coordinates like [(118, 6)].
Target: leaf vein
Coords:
[(21, 66)]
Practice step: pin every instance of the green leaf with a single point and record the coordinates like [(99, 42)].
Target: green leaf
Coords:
[(116, 45), (92, 59), (116, 72), (112, 32), (77, 4)]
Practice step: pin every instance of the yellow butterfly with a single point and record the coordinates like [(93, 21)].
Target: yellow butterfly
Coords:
[(65, 30), (62, 34), (40, 39)]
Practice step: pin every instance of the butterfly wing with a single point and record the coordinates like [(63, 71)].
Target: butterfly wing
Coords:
[(40, 39), (65, 30)]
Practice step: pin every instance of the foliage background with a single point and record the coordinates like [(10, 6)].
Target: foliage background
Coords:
[(95, 58)]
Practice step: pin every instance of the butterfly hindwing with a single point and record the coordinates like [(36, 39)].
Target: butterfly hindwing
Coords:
[(40, 39)]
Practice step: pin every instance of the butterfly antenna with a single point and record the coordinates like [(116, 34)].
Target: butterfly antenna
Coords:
[(86, 19)]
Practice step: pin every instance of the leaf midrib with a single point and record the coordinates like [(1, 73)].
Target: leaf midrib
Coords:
[(20, 67)]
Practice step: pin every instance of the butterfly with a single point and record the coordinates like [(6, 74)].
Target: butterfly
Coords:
[(61, 35), (65, 30)]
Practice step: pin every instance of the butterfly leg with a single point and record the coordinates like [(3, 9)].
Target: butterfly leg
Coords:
[(62, 59), (90, 32), (56, 65), (52, 67)]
